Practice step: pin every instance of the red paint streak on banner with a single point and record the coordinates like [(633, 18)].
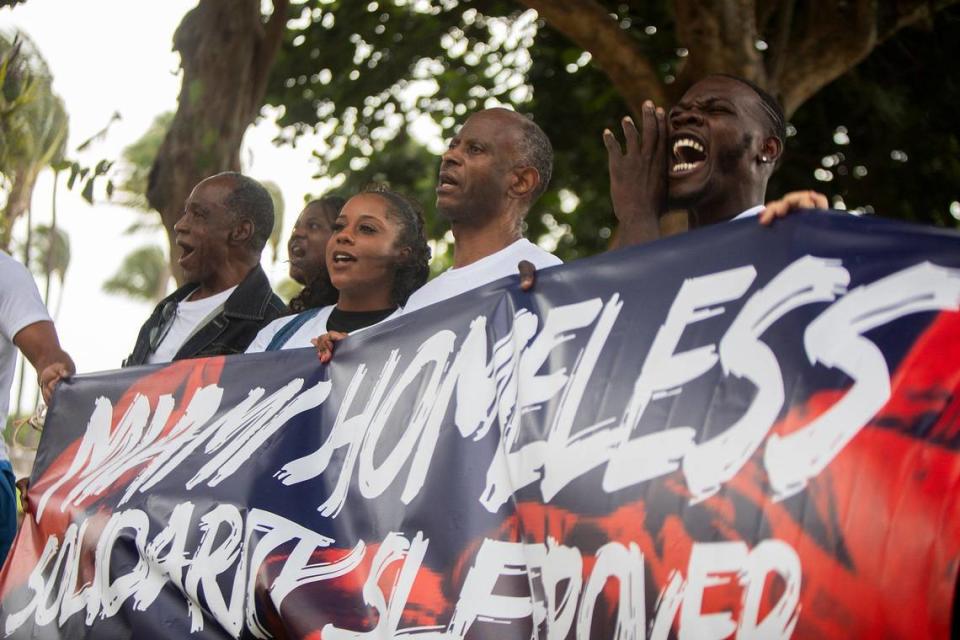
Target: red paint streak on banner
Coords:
[(183, 377), (878, 532)]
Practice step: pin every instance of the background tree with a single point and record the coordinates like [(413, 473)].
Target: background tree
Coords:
[(143, 274), (375, 79), (227, 48), (34, 126), (882, 138), (33, 134), (347, 71), (134, 170)]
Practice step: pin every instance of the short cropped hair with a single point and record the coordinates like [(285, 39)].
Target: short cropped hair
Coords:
[(534, 150), (250, 200), (771, 107)]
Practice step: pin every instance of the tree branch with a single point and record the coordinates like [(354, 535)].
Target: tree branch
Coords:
[(779, 40), (824, 50), (614, 51), (267, 50)]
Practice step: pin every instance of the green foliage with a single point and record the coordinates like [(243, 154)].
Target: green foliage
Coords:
[(143, 275), (885, 134), (18, 86), (33, 125), (19, 433), (87, 176), (366, 76), (51, 251), (136, 161), (145, 272)]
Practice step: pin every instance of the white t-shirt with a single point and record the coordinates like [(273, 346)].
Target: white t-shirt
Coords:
[(20, 306), (189, 315), (312, 328), (453, 282), (749, 213)]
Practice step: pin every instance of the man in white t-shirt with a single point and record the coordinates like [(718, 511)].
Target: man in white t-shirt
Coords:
[(26, 326), (492, 172), (712, 156), (226, 222), (495, 168)]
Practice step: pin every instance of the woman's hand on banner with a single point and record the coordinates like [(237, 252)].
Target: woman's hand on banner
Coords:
[(325, 344)]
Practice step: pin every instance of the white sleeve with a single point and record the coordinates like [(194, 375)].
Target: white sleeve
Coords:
[(20, 302), (259, 344)]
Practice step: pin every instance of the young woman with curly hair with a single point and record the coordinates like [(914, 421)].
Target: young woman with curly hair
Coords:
[(376, 257)]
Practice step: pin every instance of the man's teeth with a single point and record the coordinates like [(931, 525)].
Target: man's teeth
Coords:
[(686, 142), (685, 166)]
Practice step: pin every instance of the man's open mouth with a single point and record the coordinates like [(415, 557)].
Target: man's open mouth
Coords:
[(688, 155), (185, 251), (446, 182)]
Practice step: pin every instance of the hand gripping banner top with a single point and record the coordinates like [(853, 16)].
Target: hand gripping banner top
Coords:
[(740, 432)]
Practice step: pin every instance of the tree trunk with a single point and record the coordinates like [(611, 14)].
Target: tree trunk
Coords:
[(226, 52), (792, 49)]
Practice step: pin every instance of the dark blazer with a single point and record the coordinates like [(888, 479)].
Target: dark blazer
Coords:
[(249, 308)]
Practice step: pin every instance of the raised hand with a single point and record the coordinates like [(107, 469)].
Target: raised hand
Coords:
[(638, 175)]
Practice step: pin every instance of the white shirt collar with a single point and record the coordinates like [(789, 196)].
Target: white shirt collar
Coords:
[(749, 213)]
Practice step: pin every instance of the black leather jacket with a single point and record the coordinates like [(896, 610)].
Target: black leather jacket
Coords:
[(249, 308)]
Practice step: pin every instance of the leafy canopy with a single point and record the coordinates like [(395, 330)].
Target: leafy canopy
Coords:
[(380, 83)]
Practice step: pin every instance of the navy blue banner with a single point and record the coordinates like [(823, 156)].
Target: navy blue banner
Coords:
[(740, 431)]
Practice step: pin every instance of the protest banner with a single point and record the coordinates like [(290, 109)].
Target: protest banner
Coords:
[(740, 432)]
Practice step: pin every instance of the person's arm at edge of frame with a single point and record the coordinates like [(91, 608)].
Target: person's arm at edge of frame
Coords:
[(41, 346)]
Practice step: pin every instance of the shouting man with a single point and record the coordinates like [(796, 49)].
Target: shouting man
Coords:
[(712, 155), (226, 222)]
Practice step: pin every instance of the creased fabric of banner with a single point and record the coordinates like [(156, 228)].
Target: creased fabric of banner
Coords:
[(740, 432)]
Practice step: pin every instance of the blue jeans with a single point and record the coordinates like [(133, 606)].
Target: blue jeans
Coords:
[(8, 508)]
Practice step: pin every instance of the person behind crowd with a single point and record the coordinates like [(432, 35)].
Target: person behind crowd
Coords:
[(712, 155), (26, 326), (307, 248), (376, 257), (226, 222)]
